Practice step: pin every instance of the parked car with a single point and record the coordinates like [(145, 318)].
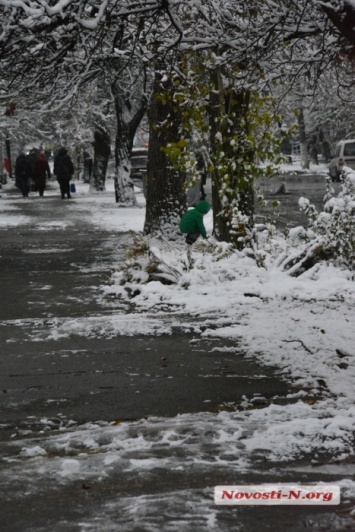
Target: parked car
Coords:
[(139, 161), (344, 156)]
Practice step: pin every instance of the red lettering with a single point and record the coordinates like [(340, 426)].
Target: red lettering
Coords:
[(294, 494), (228, 494), (310, 495)]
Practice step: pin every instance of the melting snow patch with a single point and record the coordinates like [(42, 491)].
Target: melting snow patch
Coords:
[(69, 467), (48, 250), (30, 452)]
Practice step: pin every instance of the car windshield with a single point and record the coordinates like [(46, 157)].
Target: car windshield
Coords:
[(349, 149)]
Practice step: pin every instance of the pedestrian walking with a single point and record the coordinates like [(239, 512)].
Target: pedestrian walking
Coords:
[(192, 224), (64, 170), (41, 172), (32, 159), (7, 165), (22, 174)]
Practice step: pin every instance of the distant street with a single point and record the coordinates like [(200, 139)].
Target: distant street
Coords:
[(288, 214), (286, 188)]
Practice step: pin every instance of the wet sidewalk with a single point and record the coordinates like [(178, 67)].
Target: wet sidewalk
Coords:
[(103, 430), (51, 278)]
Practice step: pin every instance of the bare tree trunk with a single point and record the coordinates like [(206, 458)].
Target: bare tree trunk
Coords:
[(303, 139), (129, 114), (326, 149), (2, 173), (166, 198)]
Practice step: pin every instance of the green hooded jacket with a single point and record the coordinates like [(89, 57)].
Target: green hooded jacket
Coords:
[(192, 220)]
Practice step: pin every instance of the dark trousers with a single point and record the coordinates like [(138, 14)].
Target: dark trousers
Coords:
[(65, 188), (25, 186), (192, 237)]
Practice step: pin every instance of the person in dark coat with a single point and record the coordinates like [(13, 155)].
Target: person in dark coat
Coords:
[(22, 174), (40, 173), (64, 170), (7, 165), (32, 158), (192, 224)]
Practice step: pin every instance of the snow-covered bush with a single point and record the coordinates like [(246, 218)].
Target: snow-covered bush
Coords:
[(151, 260), (330, 235), (333, 230)]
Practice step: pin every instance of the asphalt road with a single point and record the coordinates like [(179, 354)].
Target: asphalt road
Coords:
[(296, 185)]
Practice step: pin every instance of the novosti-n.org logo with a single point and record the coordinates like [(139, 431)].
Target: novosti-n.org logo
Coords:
[(273, 494)]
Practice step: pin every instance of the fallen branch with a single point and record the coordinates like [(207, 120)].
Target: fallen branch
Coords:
[(305, 260), (301, 343)]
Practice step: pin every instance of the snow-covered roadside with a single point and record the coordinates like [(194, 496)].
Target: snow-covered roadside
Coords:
[(302, 325), (100, 210)]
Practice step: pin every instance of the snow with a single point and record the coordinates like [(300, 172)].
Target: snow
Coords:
[(10, 216), (302, 325)]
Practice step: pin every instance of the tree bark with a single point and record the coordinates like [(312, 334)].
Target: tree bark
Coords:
[(166, 198), (343, 17), (129, 114), (232, 184), (303, 139)]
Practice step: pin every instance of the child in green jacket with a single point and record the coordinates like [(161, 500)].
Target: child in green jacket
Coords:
[(192, 222)]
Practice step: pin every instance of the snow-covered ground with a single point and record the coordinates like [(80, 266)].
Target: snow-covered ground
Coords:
[(303, 325)]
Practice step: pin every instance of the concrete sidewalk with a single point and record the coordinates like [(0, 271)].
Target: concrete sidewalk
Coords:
[(51, 383), (56, 274)]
